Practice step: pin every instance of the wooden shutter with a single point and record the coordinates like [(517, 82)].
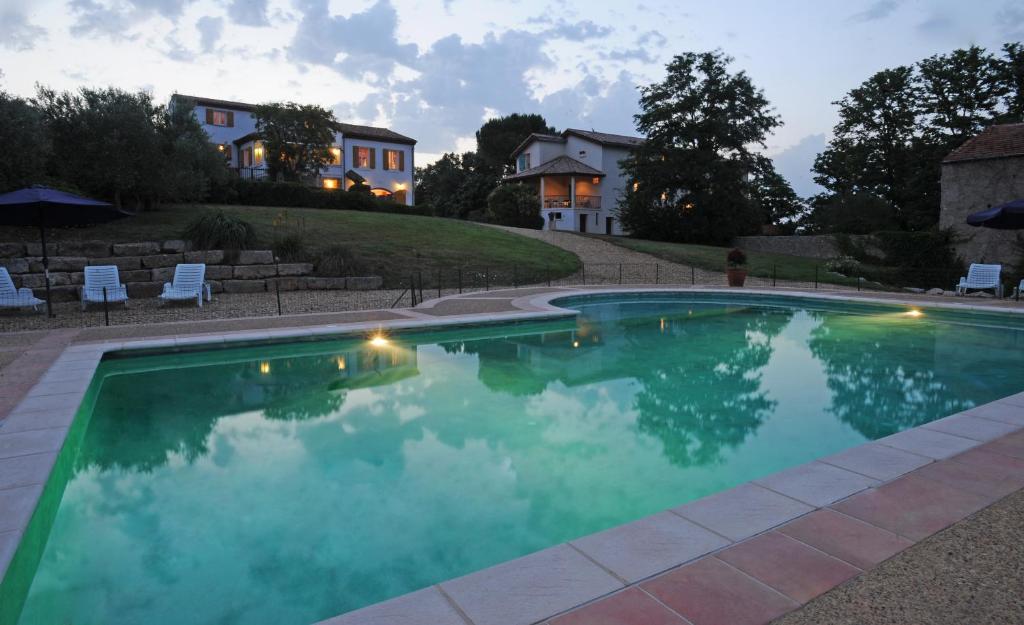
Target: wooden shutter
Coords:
[(231, 119), (385, 163), (209, 116), (401, 160), (355, 156), (373, 158)]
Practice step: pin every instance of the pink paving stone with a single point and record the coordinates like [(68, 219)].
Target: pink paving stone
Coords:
[(789, 566), (846, 538), (710, 592), (416, 608), (1011, 445), (983, 480), (913, 506), (629, 607), (990, 459), (649, 545), (975, 428)]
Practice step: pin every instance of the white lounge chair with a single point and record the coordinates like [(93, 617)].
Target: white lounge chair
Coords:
[(1017, 292), (188, 284), (981, 278), (11, 297), (98, 278)]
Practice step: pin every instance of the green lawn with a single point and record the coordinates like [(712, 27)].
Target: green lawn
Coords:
[(383, 244), (785, 267)]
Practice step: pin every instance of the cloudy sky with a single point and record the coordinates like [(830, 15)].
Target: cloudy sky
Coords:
[(435, 69)]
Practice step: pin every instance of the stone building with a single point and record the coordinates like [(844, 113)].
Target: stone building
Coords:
[(985, 171)]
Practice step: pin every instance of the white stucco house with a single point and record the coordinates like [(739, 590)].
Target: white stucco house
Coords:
[(380, 157), (577, 176)]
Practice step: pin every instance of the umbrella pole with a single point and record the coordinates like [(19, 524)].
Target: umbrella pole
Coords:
[(46, 270)]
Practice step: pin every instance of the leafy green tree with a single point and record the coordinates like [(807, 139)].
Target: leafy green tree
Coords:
[(691, 174), (26, 143), (1013, 78), (437, 184), (961, 92), (851, 213), (105, 142), (514, 205), (775, 198), (192, 163), (297, 138), (499, 136)]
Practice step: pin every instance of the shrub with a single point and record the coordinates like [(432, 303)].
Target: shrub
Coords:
[(290, 248), (514, 205), (220, 231), (736, 258), (336, 260), (845, 265), (293, 194)]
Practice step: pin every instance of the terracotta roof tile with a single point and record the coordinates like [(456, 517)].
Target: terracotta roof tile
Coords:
[(558, 166), (994, 142)]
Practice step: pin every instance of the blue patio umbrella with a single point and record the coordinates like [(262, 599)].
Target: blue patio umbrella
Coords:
[(44, 207), (1008, 216)]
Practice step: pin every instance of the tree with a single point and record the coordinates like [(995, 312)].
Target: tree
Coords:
[(105, 142), (499, 136), (439, 182), (691, 174), (514, 205), (26, 143), (775, 198), (192, 163), (1013, 77), (297, 138), (961, 93)]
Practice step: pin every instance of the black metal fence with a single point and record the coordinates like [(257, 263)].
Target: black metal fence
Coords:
[(419, 284)]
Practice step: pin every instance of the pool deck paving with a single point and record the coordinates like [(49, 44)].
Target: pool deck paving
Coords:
[(743, 556)]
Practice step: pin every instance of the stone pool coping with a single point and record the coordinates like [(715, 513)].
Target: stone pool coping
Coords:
[(654, 561)]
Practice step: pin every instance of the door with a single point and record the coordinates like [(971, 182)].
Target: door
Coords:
[(583, 223), (608, 225)]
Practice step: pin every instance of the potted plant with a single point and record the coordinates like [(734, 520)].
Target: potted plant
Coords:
[(737, 272)]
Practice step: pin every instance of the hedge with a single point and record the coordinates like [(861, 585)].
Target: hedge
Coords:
[(293, 194)]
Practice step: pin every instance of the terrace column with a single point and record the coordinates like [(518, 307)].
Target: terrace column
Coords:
[(572, 191), (542, 192)]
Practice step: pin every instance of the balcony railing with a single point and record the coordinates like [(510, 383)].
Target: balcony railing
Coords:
[(251, 173), (564, 201)]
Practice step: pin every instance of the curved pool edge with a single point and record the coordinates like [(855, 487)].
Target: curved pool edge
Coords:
[(546, 583)]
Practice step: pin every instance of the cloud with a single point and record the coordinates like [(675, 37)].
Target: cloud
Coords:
[(210, 30), (175, 51), (18, 34), (938, 26), (577, 31), (1010, 20), (248, 12), (594, 104), (880, 9), (363, 45), (795, 162)]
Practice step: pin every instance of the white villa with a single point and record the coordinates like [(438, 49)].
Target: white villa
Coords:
[(381, 158), (578, 178)]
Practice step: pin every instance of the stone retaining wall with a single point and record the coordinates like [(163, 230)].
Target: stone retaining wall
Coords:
[(144, 267)]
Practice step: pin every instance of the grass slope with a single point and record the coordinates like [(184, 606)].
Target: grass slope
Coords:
[(384, 244), (796, 268)]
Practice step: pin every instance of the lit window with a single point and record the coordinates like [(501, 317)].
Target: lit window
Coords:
[(257, 152), (335, 156), (393, 160), (362, 158), (219, 118), (331, 183), (596, 180), (381, 192)]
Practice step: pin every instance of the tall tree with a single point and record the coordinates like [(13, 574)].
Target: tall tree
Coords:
[(499, 136), (702, 123), (1013, 79), (961, 92), (192, 164), (779, 205), (297, 138), (26, 143)]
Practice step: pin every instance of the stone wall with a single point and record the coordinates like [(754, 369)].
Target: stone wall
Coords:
[(144, 267), (971, 186), (812, 246)]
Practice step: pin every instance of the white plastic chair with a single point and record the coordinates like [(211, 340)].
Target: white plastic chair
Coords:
[(98, 278), (1017, 292), (981, 278), (188, 284), (11, 297)]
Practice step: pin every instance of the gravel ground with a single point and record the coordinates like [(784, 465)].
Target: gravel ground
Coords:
[(971, 572)]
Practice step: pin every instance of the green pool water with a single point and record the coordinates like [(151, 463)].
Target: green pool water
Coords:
[(287, 484)]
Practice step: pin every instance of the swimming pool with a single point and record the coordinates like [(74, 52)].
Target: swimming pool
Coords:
[(290, 483)]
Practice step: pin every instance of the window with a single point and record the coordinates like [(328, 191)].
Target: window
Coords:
[(331, 183), (379, 192), (257, 153), (220, 118), (399, 196), (583, 154), (363, 158), (335, 156), (524, 162), (394, 160)]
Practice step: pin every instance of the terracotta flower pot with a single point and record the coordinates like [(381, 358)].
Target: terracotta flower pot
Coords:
[(736, 275)]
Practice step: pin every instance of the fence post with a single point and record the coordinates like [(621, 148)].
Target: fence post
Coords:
[(693, 276), (584, 273), (773, 274), (547, 270), (106, 308), (487, 279), (858, 283), (657, 272), (419, 277), (515, 277), (620, 273), (412, 289), (277, 288), (439, 282), (460, 280), (815, 276)]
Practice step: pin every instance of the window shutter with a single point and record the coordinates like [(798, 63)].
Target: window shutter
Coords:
[(209, 116), (355, 156), (401, 160), (373, 158), (385, 163), (231, 119)]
